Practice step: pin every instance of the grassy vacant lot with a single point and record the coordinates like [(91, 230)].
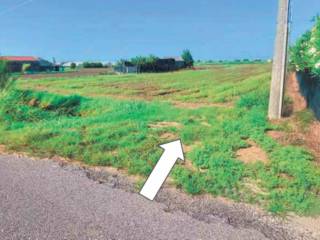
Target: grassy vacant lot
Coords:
[(119, 121)]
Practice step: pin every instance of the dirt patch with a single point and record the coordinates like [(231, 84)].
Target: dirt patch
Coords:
[(196, 105), (187, 162), (33, 102), (313, 139), (277, 135), (310, 138), (143, 90), (165, 125), (2, 149), (189, 165), (293, 91), (168, 136), (252, 154), (206, 124), (166, 92), (189, 148), (253, 186)]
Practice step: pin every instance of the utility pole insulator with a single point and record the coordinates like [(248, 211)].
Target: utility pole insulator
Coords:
[(279, 71)]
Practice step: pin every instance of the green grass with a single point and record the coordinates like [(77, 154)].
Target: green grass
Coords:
[(98, 128), (217, 84)]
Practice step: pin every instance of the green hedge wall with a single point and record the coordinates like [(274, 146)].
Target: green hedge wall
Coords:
[(305, 54)]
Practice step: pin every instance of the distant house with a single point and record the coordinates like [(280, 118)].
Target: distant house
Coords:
[(165, 65), (68, 64), (35, 64), (126, 67), (179, 63)]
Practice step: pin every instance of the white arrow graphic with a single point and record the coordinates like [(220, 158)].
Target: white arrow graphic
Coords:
[(172, 152)]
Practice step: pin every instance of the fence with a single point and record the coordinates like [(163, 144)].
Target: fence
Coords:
[(310, 89)]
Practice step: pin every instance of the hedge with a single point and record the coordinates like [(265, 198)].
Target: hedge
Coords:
[(305, 54)]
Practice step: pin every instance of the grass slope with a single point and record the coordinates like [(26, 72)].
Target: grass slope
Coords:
[(124, 133)]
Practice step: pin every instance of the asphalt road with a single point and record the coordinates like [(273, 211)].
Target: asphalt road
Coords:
[(41, 200)]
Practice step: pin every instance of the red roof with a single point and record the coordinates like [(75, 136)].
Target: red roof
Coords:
[(19, 59)]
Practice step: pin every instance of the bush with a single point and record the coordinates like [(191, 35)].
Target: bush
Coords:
[(73, 66), (92, 65), (305, 54)]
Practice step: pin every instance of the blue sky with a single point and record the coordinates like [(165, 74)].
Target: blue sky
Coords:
[(113, 29)]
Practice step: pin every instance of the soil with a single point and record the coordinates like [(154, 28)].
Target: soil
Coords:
[(313, 139), (277, 135), (252, 154), (187, 162), (293, 91), (2, 149), (165, 124), (310, 138), (168, 136), (196, 105)]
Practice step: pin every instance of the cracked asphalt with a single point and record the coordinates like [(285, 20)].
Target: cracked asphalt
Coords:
[(41, 200)]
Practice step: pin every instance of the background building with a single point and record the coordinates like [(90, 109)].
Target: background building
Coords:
[(27, 63)]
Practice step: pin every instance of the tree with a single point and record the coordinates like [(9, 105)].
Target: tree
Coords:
[(73, 65), (92, 65), (145, 64), (187, 57)]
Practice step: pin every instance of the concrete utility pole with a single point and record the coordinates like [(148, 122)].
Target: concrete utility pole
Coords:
[(279, 70)]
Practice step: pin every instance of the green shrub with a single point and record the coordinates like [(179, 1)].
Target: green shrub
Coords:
[(305, 54), (73, 65)]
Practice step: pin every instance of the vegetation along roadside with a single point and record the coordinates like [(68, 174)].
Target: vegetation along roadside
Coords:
[(103, 121)]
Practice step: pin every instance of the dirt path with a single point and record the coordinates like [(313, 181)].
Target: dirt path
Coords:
[(293, 91)]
